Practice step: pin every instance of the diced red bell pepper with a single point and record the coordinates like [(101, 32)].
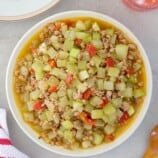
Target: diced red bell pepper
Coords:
[(31, 71), (38, 105), (111, 137), (110, 62), (124, 117), (52, 89), (34, 50), (58, 26), (86, 95), (69, 79), (78, 41), (104, 103), (48, 75), (129, 71), (91, 50), (52, 63), (83, 116)]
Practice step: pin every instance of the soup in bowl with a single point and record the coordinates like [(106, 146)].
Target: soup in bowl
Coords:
[(79, 81)]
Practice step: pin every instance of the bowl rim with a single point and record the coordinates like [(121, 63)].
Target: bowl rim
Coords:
[(29, 132)]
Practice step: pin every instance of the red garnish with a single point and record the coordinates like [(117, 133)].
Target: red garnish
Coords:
[(31, 71), (38, 105), (104, 103), (58, 26), (52, 89), (52, 63), (69, 79), (48, 75), (91, 50), (34, 50), (86, 118), (86, 95), (124, 117), (69, 23), (110, 62), (129, 71), (78, 41), (111, 137)]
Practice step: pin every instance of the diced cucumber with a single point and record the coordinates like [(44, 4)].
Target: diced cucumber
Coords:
[(69, 93), (86, 144), (43, 48), (109, 32), (137, 66), (113, 39), (81, 87), (108, 85), (39, 75), (54, 39), (117, 102), (61, 63), (63, 29), (59, 73), (77, 106), (63, 101), (97, 60), (86, 37), (95, 27), (98, 138), (100, 84), (128, 92), (72, 60), (52, 52), (82, 65), (37, 66), (67, 124), (74, 52), (68, 135), (113, 71), (30, 105), (138, 93), (70, 34), (109, 109), (47, 68), (109, 129), (97, 114), (99, 123), (60, 132), (34, 95), (88, 23), (121, 51), (68, 44), (72, 68), (96, 36), (53, 81), (101, 72), (95, 101), (132, 79), (88, 108), (49, 115), (63, 54), (120, 86), (83, 75), (80, 25), (131, 110), (105, 118), (97, 44)]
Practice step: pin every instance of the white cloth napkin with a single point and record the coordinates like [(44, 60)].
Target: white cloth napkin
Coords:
[(7, 150)]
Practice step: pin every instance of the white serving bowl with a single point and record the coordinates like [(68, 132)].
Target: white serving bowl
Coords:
[(29, 132)]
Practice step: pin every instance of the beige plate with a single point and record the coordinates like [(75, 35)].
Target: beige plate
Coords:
[(17, 10)]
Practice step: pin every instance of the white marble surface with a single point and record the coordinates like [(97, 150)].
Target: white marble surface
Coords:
[(143, 24)]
